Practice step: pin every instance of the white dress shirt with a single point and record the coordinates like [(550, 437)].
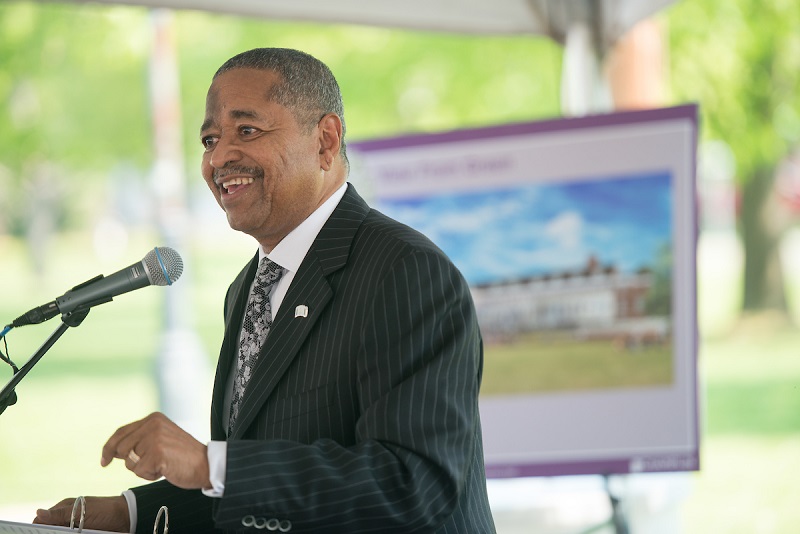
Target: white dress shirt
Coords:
[(289, 254)]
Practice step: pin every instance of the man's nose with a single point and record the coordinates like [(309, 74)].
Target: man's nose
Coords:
[(226, 151)]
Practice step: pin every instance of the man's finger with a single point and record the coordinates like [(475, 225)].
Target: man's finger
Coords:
[(56, 515), (112, 448), (43, 517)]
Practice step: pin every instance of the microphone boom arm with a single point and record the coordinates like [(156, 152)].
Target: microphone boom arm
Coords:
[(72, 319)]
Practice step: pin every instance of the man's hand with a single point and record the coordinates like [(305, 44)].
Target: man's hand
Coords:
[(102, 513), (155, 447)]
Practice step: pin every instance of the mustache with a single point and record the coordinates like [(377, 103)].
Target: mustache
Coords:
[(255, 172)]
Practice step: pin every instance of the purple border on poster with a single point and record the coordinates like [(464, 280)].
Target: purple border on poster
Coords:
[(688, 111)]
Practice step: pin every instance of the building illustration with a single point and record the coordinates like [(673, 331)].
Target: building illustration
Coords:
[(596, 302)]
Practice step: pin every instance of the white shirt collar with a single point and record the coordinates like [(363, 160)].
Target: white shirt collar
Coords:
[(289, 253)]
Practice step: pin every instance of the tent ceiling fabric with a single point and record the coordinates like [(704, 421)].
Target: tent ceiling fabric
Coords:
[(607, 19)]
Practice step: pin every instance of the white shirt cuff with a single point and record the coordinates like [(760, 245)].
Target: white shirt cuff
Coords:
[(131, 498), (217, 462)]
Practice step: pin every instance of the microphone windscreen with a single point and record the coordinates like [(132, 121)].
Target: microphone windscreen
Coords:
[(164, 266)]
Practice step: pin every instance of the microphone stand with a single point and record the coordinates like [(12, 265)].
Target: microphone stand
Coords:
[(8, 396)]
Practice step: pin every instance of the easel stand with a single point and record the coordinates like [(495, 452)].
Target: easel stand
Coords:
[(618, 518), (8, 396), (617, 521)]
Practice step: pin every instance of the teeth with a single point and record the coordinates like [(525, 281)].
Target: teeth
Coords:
[(237, 181)]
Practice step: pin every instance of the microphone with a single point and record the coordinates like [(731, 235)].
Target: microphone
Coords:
[(160, 267)]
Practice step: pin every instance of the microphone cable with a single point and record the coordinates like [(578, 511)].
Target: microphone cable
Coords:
[(4, 355)]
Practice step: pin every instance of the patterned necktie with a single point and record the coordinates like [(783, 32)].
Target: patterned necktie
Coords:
[(255, 327)]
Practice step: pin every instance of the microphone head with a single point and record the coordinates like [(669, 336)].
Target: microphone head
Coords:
[(164, 266)]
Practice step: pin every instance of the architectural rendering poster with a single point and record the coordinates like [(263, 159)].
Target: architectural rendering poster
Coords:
[(577, 238)]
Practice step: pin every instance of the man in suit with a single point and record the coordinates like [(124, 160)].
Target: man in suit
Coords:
[(359, 413)]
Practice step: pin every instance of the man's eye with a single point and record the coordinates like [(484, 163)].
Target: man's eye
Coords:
[(247, 130), (208, 141)]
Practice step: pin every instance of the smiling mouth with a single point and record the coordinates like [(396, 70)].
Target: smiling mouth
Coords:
[(230, 186)]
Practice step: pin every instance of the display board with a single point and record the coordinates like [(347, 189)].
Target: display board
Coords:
[(577, 237)]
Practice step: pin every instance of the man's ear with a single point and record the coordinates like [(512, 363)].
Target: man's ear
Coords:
[(330, 139)]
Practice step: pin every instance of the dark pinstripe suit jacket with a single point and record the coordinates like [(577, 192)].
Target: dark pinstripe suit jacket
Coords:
[(362, 416)]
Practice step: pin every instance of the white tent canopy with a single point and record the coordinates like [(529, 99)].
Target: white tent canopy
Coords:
[(553, 18)]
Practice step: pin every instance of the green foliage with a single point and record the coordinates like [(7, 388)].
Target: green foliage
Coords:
[(74, 89), (71, 86), (72, 107), (78, 74), (392, 81), (741, 60)]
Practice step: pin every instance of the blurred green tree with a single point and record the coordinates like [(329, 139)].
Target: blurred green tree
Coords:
[(741, 61), (73, 90), (72, 107)]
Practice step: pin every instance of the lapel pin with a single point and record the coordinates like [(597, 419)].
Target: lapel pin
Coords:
[(301, 311)]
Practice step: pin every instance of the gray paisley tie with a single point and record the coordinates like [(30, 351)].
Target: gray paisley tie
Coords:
[(255, 327)]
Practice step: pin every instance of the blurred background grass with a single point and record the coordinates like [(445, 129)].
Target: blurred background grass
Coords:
[(750, 443)]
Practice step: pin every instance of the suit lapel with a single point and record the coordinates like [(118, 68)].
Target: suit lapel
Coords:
[(310, 288)]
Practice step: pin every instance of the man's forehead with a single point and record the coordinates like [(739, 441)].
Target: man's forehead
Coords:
[(237, 94)]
